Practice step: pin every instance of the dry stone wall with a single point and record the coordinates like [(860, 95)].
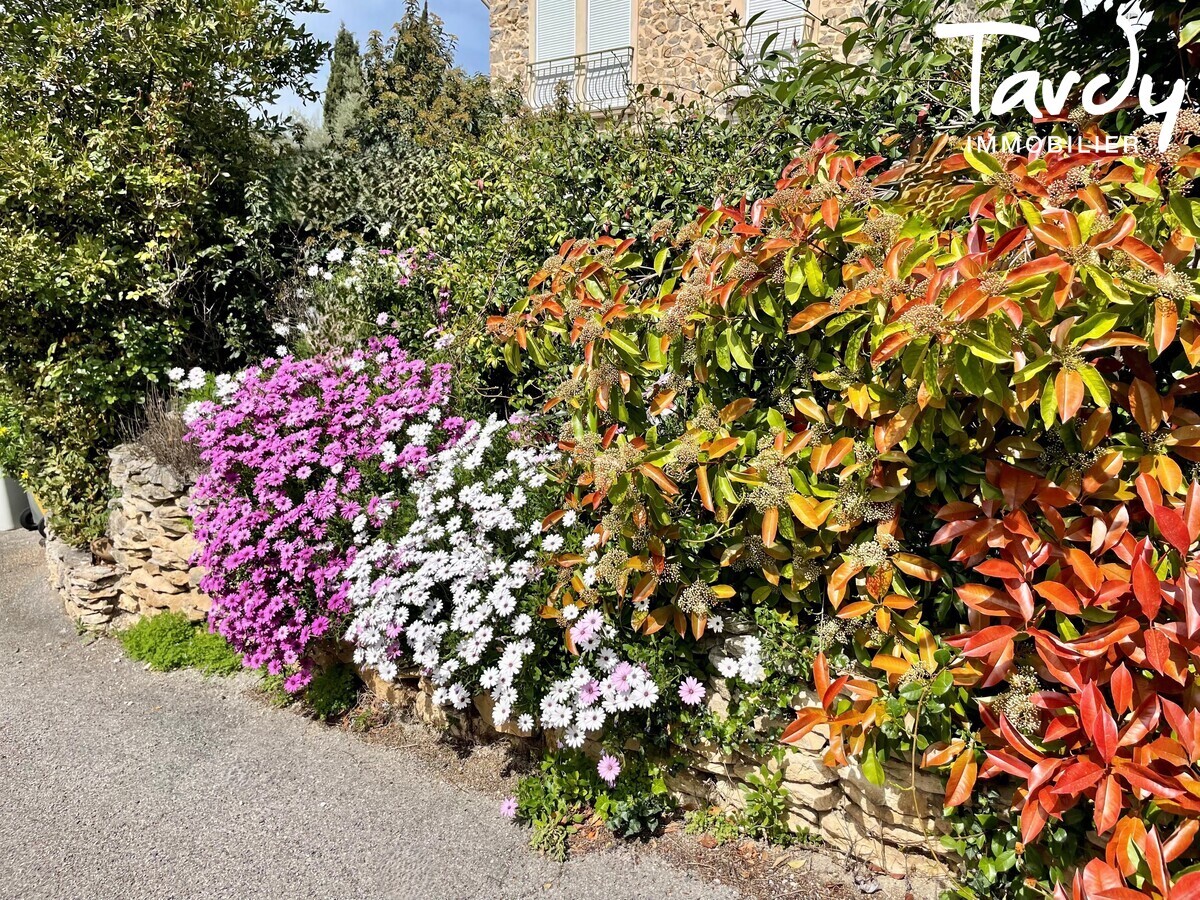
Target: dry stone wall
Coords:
[(143, 566), (146, 571), (150, 527)]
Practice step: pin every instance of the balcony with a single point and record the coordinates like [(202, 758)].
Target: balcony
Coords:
[(765, 38), (591, 81)]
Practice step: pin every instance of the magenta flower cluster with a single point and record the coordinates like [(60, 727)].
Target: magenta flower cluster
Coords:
[(297, 451)]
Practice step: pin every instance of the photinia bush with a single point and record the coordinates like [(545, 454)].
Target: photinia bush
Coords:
[(299, 451), (938, 416)]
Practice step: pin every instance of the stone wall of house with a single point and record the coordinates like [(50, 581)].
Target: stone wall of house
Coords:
[(828, 13), (682, 46), (145, 571), (509, 42)]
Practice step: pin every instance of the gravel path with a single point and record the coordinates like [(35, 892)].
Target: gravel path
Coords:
[(116, 782)]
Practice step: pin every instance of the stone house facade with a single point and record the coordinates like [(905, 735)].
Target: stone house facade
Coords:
[(597, 51)]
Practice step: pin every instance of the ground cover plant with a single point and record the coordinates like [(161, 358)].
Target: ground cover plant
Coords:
[(170, 641)]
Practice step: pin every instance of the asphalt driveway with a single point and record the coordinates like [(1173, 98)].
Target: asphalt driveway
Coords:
[(116, 782)]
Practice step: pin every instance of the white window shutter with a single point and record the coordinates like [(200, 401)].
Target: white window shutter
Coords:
[(609, 25), (609, 35), (774, 10), (783, 19), (554, 29)]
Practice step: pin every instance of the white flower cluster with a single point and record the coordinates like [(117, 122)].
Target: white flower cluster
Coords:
[(447, 595), (582, 703), (224, 386), (748, 666)]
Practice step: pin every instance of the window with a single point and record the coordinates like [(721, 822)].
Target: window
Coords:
[(786, 19), (609, 35), (553, 51), (595, 75)]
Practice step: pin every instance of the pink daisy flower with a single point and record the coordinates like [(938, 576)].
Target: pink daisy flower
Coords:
[(508, 808), (609, 768), (691, 691)]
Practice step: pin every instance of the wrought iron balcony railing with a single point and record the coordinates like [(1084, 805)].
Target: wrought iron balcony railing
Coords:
[(764, 38), (600, 80)]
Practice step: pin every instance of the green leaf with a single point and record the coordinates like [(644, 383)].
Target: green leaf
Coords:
[(872, 767), (985, 350), (1049, 404), (982, 162), (1094, 327), (1189, 33), (1096, 385)]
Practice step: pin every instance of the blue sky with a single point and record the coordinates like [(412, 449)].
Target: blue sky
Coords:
[(467, 19)]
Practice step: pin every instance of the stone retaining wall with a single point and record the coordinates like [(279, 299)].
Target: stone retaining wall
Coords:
[(150, 527), (145, 572)]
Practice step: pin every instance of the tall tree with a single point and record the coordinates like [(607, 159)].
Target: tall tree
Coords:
[(415, 92), (344, 93), (138, 156)]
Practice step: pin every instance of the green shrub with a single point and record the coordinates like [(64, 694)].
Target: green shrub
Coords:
[(333, 692), (492, 224), (136, 171)]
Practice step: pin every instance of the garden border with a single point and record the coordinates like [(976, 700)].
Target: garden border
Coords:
[(142, 569)]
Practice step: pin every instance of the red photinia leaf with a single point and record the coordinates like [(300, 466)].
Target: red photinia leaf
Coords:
[(1146, 779), (1122, 689), (821, 676), (1078, 777), (1109, 801), (962, 777), (1033, 820), (1144, 720), (1158, 650), (999, 568), (1187, 887), (1149, 491), (1007, 762), (1089, 573), (1099, 881), (1069, 391), (1058, 595), (982, 643), (806, 721), (1098, 722), (1172, 526), (1181, 841), (1146, 588), (988, 600)]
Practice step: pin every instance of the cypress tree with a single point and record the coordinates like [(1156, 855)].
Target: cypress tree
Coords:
[(344, 93)]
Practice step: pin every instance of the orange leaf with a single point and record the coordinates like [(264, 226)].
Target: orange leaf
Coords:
[(1068, 390), (962, 779), (770, 526), (1166, 324), (809, 317), (735, 410), (1146, 405)]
